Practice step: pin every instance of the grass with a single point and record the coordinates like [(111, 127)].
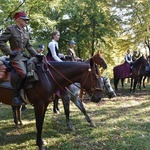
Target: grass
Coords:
[(123, 123)]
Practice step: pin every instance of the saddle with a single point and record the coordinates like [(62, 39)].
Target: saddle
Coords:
[(6, 70)]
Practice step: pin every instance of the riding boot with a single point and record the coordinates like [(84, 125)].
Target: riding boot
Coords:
[(16, 100)]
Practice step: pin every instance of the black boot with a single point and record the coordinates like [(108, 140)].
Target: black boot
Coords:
[(16, 100)]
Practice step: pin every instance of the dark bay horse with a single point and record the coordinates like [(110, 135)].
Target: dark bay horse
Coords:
[(52, 77), (136, 72), (97, 59), (144, 73)]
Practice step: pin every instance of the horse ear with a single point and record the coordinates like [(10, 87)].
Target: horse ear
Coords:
[(91, 62)]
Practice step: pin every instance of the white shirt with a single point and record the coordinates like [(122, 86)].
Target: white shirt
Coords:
[(52, 46), (128, 56)]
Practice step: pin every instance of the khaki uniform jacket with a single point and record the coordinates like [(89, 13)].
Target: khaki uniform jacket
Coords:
[(18, 40)]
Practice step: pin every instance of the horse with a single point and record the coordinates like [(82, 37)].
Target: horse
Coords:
[(136, 72), (121, 72), (73, 93), (52, 77), (144, 73), (97, 59), (133, 73), (106, 87)]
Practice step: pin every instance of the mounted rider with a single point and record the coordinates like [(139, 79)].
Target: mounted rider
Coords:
[(135, 56), (19, 41), (128, 57)]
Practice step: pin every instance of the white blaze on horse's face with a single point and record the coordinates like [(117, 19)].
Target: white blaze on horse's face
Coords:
[(106, 86)]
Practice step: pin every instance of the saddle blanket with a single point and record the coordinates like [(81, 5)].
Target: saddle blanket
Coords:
[(23, 95)]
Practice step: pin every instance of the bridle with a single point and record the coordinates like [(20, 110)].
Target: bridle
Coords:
[(92, 89)]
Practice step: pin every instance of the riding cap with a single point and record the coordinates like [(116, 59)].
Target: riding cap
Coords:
[(41, 47), (72, 42), (22, 15)]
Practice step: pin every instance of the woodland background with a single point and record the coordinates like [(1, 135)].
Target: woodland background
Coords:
[(111, 26)]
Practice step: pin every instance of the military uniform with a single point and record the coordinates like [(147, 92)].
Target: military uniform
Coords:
[(19, 42)]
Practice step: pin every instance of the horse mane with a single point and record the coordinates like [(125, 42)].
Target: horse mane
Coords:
[(138, 60)]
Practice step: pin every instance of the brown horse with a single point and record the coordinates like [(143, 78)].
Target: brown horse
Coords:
[(136, 72), (72, 92), (52, 77), (97, 59), (144, 73)]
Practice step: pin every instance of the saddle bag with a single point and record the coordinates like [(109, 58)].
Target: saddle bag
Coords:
[(3, 73)]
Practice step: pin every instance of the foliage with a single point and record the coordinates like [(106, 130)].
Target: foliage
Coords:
[(110, 26)]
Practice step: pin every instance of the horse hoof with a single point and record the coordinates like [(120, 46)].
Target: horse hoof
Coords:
[(21, 123), (17, 126), (71, 127), (93, 125)]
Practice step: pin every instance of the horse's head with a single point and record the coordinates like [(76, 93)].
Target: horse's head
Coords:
[(107, 88), (91, 82), (99, 60)]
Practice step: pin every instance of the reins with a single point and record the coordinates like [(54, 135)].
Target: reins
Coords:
[(89, 73)]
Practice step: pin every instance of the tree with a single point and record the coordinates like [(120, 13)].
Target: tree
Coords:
[(89, 22)]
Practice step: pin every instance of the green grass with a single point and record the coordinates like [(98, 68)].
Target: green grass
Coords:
[(123, 123)]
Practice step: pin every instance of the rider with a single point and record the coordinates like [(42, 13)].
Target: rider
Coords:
[(53, 51), (71, 52), (40, 49), (19, 40), (128, 58), (53, 48), (135, 56)]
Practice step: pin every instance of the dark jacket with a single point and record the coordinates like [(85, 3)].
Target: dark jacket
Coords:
[(18, 40)]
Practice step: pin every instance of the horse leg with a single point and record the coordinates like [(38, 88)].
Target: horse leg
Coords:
[(140, 81), (80, 105), (55, 104), (66, 104), (39, 110), (131, 84), (19, 109), (116, 80), (135, 83), (122, 82), (15, 115), (144, 81)]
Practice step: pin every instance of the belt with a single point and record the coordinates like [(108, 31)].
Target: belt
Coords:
[(18, 49)]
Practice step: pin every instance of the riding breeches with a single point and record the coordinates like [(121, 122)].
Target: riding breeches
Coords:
[(20, 67)]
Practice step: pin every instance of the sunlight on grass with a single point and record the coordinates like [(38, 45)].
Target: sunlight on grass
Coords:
[(123, 123)]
